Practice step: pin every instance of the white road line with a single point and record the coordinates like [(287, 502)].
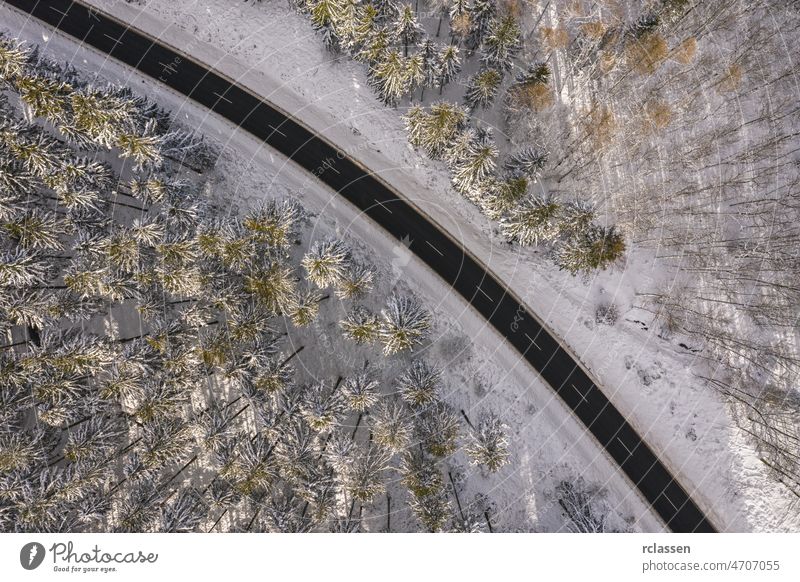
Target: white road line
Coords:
[(275, 129), (580, 393), (334, 169), (434, 248), (484, 292), (630, 452), (223, 97), (116, 40), (533, 342), (54, 9), (382, 206), (670, 501), (93, 14)]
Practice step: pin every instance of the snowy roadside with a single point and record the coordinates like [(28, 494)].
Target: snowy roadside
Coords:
[(548, 444), (687, 423)]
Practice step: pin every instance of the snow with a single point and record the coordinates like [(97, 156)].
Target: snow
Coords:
[(272, 50), (481, 372)]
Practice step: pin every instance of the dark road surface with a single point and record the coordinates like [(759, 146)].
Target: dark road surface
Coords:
[(428, 242)]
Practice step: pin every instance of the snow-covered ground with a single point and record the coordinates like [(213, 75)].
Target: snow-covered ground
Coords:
[(270, 49), (481, 372)]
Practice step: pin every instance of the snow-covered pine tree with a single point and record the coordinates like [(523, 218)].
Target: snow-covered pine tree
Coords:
[(415, 72), (434, 131), (534, 221), (356, 281), (324, 15), (476, 165), (321, 407), (406, 27), (576, 217), (326, 262), (405, 322), (481, 14), (430, 65), (360, 390), (389, 77), (482, 88), (432, 511), (361, 326), (449, 65), (391, 425), (500, 196), (387, 10), (528, 162), (436, 426), (364, 477), (13, 59), (488, 443), (419, 384), (374, 47), (501, 43), (596, 248), (305, 307)]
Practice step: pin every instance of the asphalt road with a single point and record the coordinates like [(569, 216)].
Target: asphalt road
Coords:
[(428, 242)]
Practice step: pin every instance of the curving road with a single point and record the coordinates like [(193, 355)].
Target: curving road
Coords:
[(428, 241)]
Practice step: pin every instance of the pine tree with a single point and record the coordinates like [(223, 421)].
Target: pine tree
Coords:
[(488, 444), (389, 77), (449, 65), (405, 322), (527, 162), (501, 196), (305, 307), (13, 59), (476, 164), (502, 43), (432, 511), (272, 285), (415, 71), (482, 14), (364, 27), (360, 391), (361, 326), (482, 89), (326, 262), (419, 384), (596, 248), (533, 222), (391, 425), (406, 27), (437, 427), (435, 131), (430, 65), (321, 406), (364, 477), (144, 147), (576, 218), (387, 10)]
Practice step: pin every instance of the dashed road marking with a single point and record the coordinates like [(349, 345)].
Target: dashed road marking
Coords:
[(533, 341), (581, 394), (223, 97), (275, 130), (484, 293), (434, 248), (630, 452), (116, 40), (379, 203)]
